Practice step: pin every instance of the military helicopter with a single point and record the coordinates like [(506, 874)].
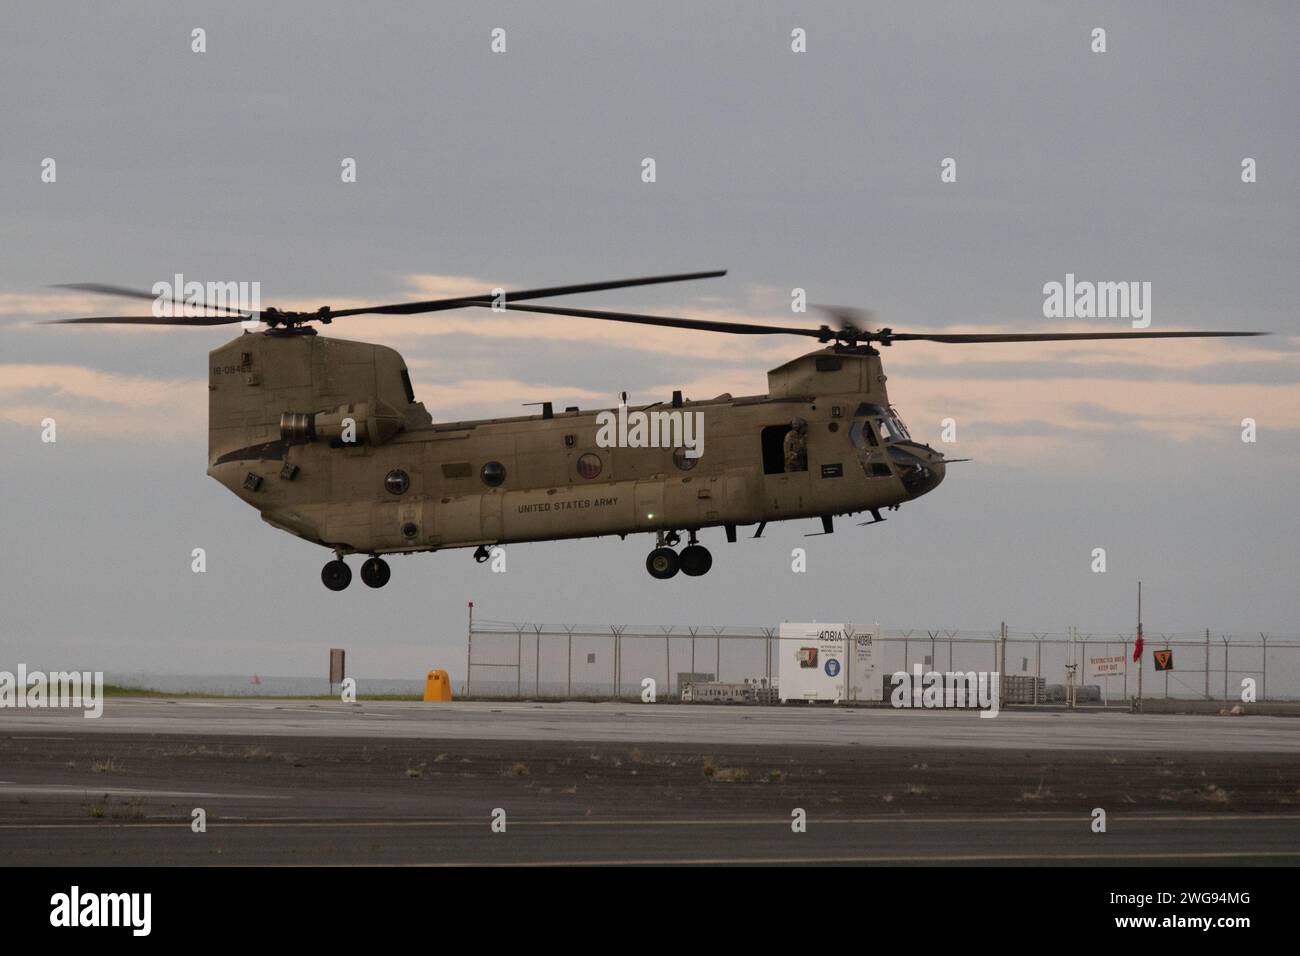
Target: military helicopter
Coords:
[(325, 438)]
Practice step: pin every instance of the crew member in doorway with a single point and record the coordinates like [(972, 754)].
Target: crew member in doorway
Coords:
[(796, 446)]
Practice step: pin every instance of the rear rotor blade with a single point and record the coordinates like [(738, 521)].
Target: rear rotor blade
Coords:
[(152, 320), (274, 317), (104, 289), (439, 305), (100, 288), (848, 317)]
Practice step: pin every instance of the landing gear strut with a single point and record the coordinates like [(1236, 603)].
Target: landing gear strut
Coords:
[(375, 572), (336, 575)]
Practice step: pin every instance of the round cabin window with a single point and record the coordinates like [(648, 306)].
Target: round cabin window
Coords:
[(683, 462), (493, 473), (397, 481), (589, 466)]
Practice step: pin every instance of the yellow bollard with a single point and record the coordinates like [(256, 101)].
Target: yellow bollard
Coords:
[(437, 686)]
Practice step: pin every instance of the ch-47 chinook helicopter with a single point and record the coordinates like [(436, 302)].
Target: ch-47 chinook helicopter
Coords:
[(325, 438)]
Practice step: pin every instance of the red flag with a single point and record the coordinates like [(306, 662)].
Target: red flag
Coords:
[(1137, 649)]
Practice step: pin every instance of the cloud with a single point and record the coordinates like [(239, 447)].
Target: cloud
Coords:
[(98, 402)]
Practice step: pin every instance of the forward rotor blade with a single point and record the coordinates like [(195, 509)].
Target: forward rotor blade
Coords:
[(439, 305), (667, 321), (100, 288), (826, 334), (976, 337)]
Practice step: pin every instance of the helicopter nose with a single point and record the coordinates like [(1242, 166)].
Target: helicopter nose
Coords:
[(939, 469), (920, 468)]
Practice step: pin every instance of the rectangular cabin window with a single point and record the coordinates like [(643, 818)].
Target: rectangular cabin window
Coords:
[(773, 437), (457, 469), (406, 384)]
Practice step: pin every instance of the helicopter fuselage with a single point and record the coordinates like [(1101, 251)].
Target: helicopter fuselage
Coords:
[(325, 439)]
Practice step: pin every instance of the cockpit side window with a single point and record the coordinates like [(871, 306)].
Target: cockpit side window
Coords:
[(406, 384), (862, 435)]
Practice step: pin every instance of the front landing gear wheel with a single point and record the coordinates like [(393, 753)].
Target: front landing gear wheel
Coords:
[(662, 563), (696, 560), (336, 575), (375, 572)]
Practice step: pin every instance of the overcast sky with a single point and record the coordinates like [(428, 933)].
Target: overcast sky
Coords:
[(818, 170)]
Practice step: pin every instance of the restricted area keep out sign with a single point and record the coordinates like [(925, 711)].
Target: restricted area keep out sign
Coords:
[(1109, 665)]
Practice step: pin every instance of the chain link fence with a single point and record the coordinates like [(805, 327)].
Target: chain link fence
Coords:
[(591, 662)]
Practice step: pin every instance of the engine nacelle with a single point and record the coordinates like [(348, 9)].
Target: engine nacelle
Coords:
[(371, 422)]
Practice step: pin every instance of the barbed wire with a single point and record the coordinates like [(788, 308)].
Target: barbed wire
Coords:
[(966, 635)]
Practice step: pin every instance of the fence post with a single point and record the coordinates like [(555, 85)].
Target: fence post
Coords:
[(1038, 665), (1083, 662), (1002, 670), (537, 663), (1224, 638), (519, 661), (469, 650), (668, 659), (1263, 677), (1207, 664), (569, 693), (614, 629)]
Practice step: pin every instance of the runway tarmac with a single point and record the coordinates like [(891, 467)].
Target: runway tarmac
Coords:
[(673, 723), (410, 783)]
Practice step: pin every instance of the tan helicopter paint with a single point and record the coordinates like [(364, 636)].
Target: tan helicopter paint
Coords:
[(337, 495)]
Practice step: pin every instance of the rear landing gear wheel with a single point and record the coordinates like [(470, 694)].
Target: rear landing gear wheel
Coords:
[(336, 575), (375, 572), (662, 563), (696, 560)]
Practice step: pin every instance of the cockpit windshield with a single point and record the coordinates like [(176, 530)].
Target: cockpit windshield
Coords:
[(891, 427)]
